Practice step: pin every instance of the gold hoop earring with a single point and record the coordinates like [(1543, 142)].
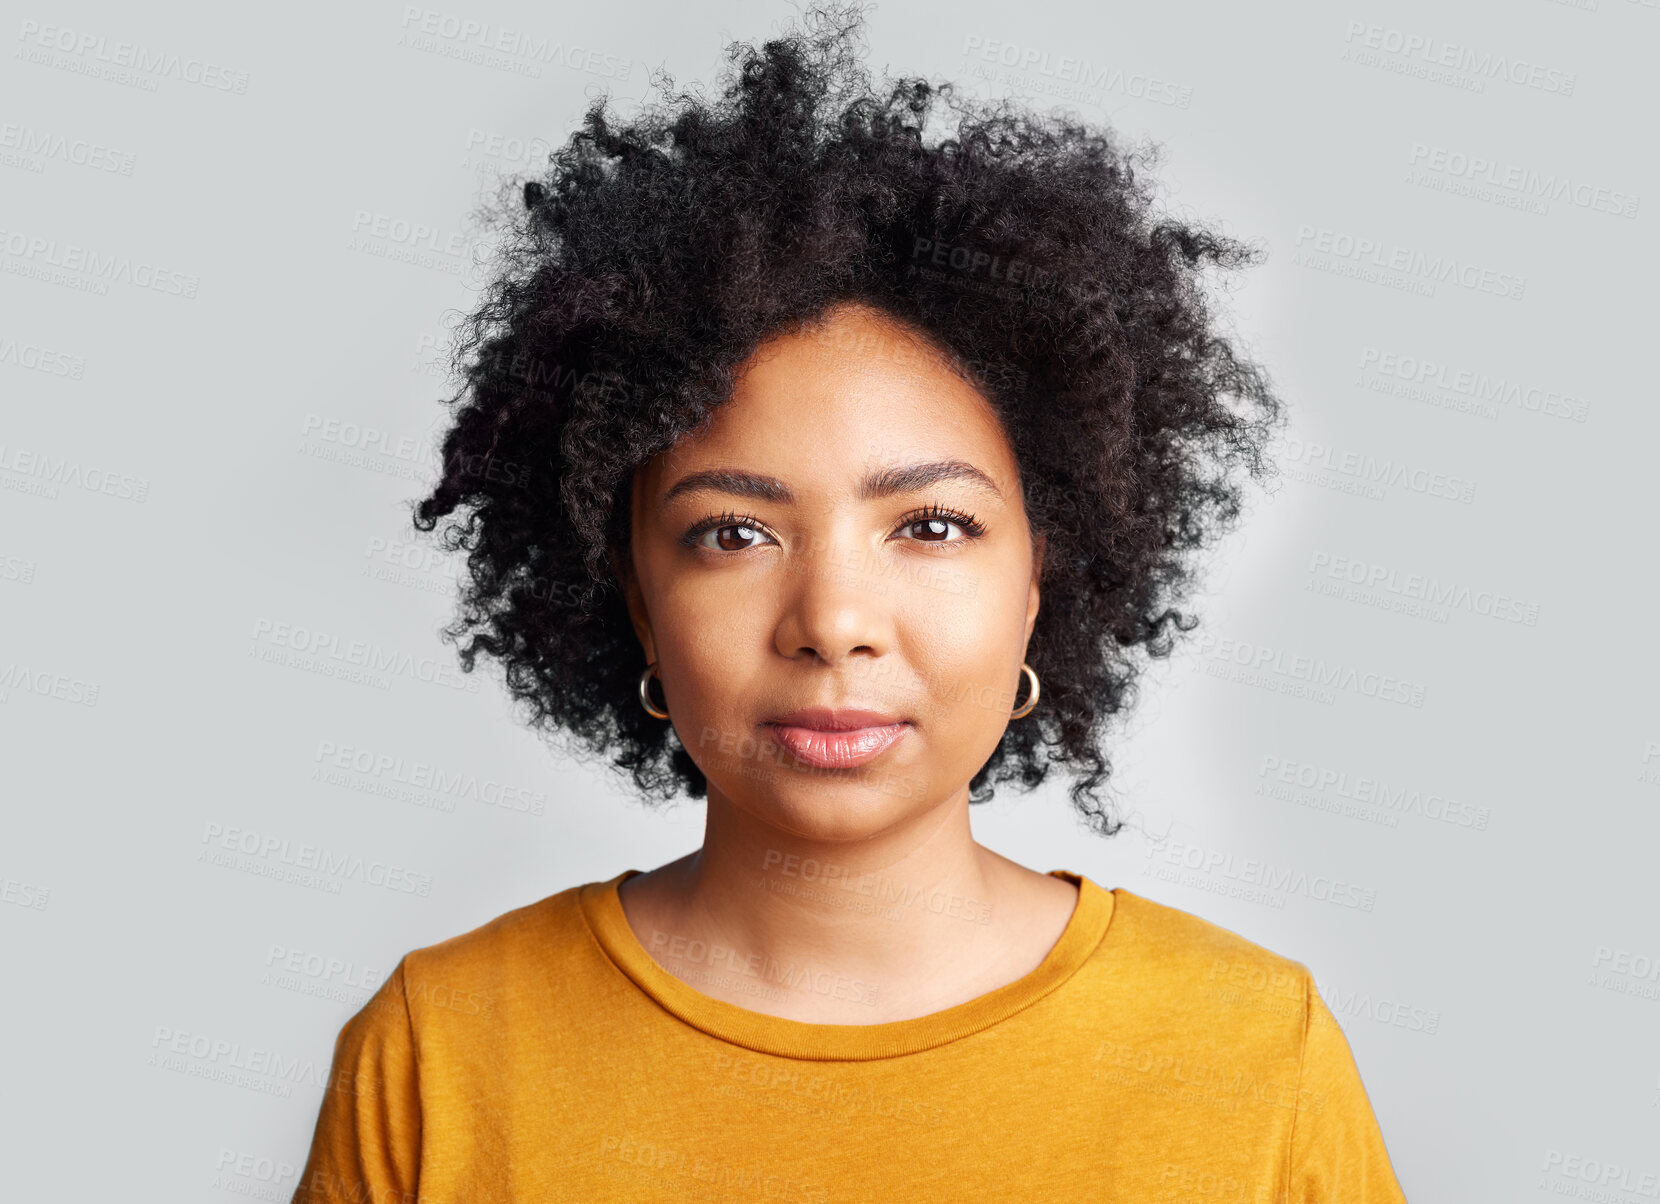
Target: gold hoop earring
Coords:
[(645, 694), (1030, 702)]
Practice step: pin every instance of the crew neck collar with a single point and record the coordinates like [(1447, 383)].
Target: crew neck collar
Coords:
[(602, 909)]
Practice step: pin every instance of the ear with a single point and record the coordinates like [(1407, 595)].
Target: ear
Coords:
[(622, 566), (1033, 594)]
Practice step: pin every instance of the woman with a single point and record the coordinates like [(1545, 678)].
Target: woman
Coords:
[(833, 472)]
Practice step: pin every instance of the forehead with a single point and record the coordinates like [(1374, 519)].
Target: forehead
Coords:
[(821, 405)]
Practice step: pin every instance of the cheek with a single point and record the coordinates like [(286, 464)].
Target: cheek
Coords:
[(964, 637), (714, 649)]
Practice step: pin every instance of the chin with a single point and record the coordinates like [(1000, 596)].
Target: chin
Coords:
[(822, 807)]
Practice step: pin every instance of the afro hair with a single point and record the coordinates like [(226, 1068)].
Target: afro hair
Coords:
[(652, 257)]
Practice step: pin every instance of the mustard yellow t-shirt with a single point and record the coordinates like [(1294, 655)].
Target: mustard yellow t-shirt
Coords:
[(546, 1056)]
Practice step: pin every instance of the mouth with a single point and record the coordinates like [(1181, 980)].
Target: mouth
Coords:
[(837, 739)]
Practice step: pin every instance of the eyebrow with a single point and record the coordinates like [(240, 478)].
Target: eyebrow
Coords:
[(883, 482)]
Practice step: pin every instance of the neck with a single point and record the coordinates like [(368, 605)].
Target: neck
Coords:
[(904, 921)]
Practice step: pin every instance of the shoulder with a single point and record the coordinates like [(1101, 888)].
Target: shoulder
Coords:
[(1209, 1012), (1186, 945), (504, 963), (1207, 972)]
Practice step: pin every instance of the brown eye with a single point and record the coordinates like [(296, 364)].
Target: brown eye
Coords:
[(932, 530), (934, 525), (733, 537)]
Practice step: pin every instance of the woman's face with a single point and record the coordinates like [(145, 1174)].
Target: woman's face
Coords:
[(847, 532)]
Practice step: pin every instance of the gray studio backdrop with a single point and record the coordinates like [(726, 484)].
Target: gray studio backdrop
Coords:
[(1414, 745)]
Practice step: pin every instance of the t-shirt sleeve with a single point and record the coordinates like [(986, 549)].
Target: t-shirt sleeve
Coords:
[(1337, 1151), (366, 1148)]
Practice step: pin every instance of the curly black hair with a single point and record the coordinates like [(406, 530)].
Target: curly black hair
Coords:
[(652, 258)]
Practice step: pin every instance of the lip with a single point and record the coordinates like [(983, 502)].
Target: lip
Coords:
[(835, 719), (837, 738)]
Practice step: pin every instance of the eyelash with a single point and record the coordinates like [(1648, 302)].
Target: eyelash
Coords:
[(971, 527)]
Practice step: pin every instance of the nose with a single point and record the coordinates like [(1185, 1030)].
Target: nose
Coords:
[(833, 608)]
